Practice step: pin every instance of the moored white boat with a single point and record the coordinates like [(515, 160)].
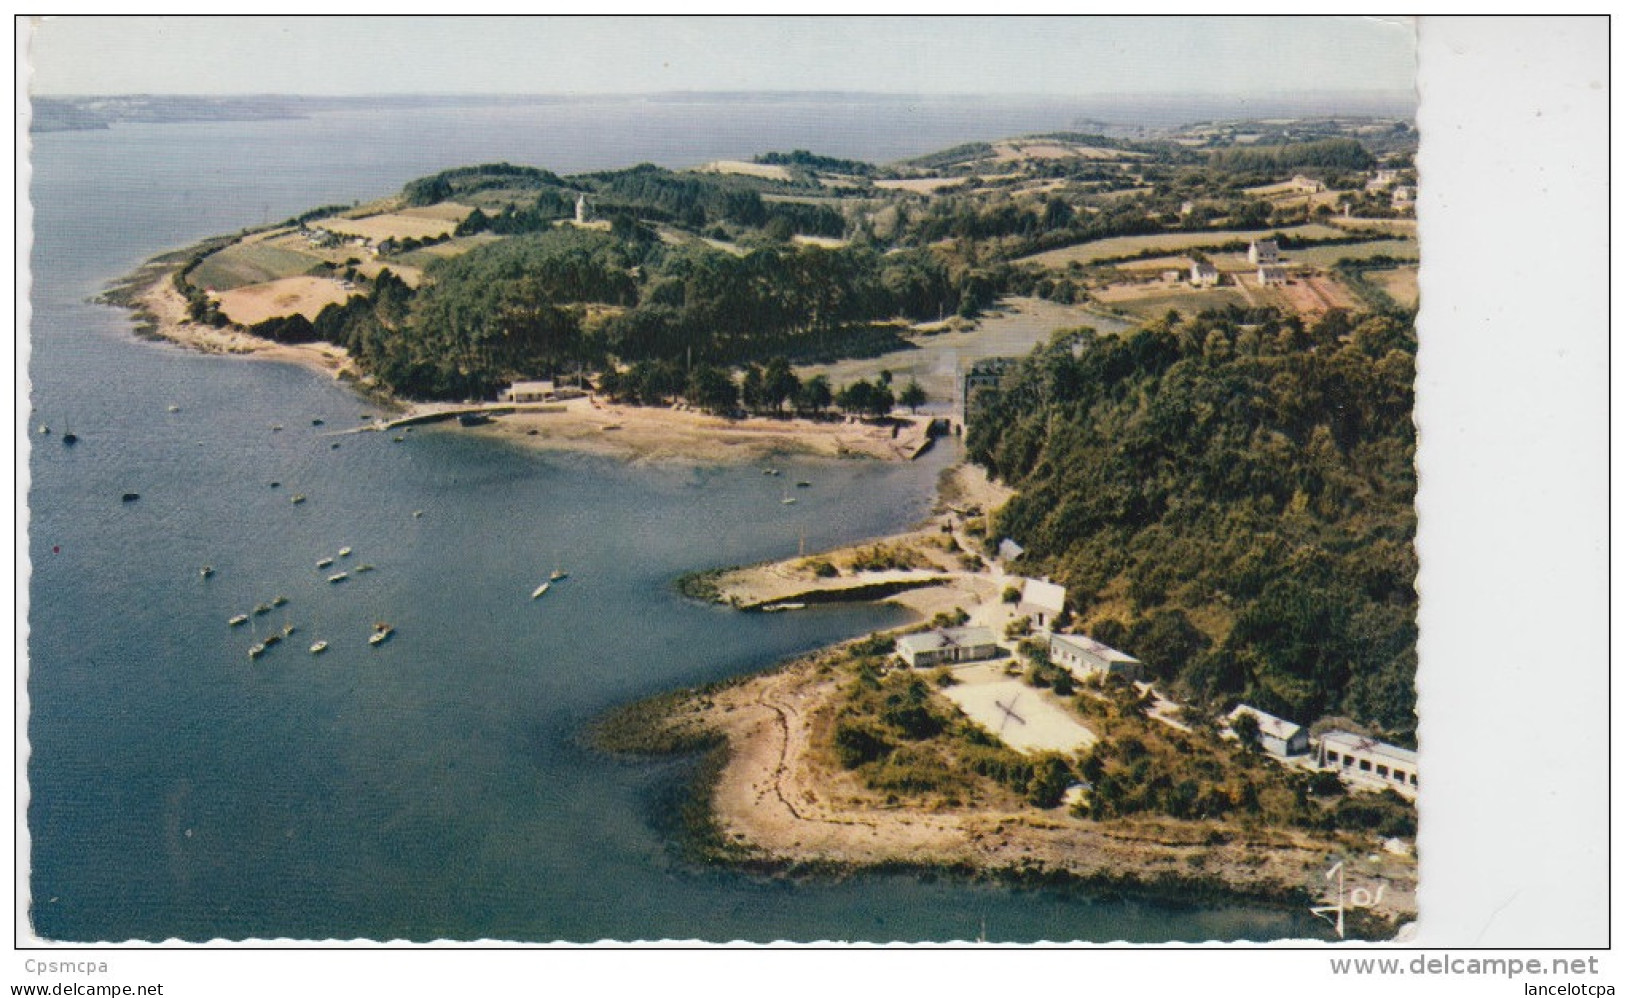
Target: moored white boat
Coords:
[(539, 590)]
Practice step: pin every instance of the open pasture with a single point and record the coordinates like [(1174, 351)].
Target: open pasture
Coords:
[(305, 296), (251, 262)]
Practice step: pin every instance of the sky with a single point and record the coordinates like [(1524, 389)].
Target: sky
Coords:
[(1063, 56)]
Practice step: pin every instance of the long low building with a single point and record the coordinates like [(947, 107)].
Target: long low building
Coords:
[(1368, 761), (947, 646), (1082, 656)]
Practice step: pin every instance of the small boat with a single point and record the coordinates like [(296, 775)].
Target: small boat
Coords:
[(206, 571), (380, 634), (174, 408), (44, 429), (70, 438), (276, 485), (339, 577), (400, 439), (557, 575), (363, 568), (804, 485), (262, 609), (270, 639), (335, 446), (324, 563), (416, 513), (298, 499), (280, 601), (238, 621), (344, 552), (131, 496), (288, 629), (317, 422), (540, 590), (256, 651), (788, 500), (276, 427), (318, 647)]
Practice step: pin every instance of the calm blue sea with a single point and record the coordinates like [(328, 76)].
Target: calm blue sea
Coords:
[(436, 786)]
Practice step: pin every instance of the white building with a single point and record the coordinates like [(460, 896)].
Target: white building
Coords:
[(1276, 735), (1009, 550), (1263, 251), (530, 391), (948, 645), (1204, 274), (1366, 761), (1271, 275), (583, 210), (1043, 601), (1307, 185), (1083, 656)]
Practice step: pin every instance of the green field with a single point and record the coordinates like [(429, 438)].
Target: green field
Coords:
[(421, 258), (1171, 242), (1327, 256), (250, 263), (1187, 302)]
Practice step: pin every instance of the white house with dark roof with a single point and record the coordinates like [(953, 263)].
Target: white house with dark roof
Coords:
[(1276, 735), (1269, 275), (1204, 274), (946, 646), (1263, 251), (1083, 656), (1043, 601), (1366, 761)]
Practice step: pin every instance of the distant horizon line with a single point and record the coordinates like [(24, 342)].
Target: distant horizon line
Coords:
[(1300, 94)]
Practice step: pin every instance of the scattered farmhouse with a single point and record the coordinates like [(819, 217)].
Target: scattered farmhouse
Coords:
[(1367, 761), (1262, 251), (1268, 275), (1083, 656), (946, 646), (1043, 601), (1276, 735), (1403, 195), (1204, 274), (1307, 185), (1381, 179)]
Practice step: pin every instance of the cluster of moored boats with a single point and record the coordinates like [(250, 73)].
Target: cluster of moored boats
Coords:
[(381, 631)]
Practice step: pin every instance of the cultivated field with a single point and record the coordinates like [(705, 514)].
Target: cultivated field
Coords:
[(1399, 226), (1400, 283), (425, 255), (410, 223), (767, 171), (1171, 242), (251, 262), (306, 296), (920, 185)]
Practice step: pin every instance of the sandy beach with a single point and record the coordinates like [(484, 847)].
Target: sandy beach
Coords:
[(590, 424)]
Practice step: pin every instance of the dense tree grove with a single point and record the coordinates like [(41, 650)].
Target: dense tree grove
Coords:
[(1231, 500)]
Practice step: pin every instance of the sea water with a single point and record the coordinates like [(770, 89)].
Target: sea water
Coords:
[(436, 785)]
